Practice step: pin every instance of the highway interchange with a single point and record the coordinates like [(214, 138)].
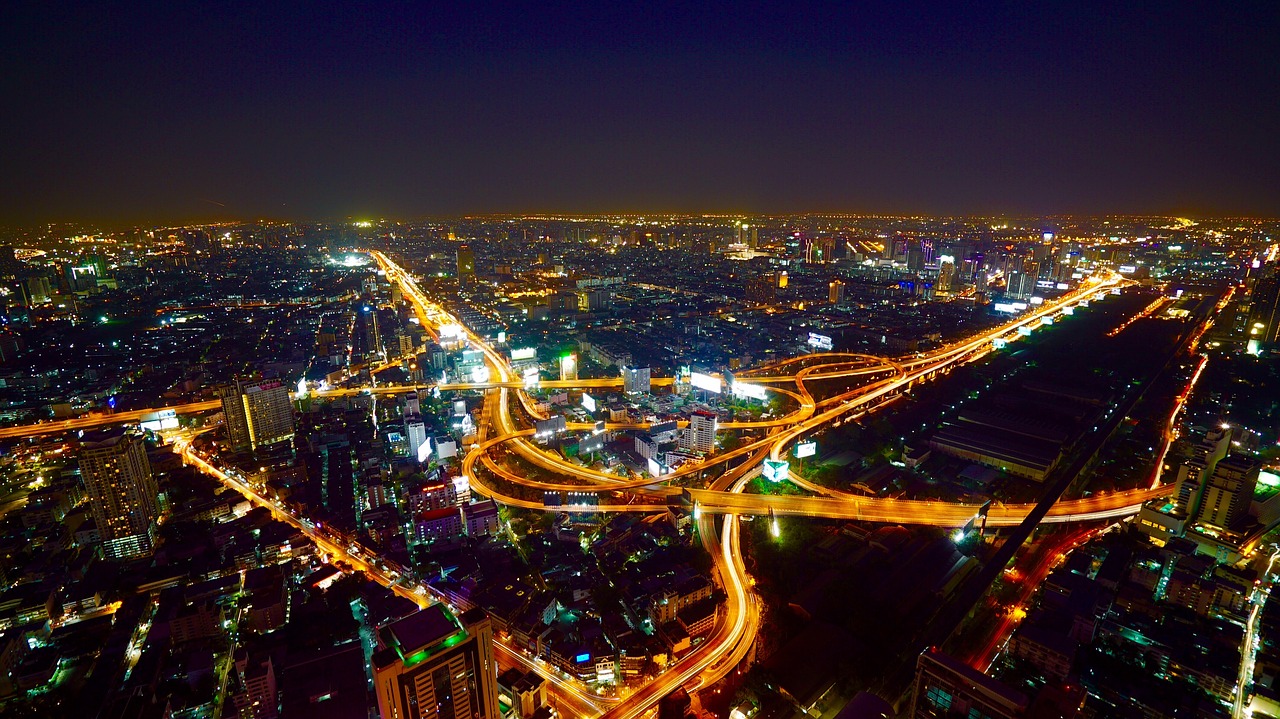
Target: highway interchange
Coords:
[(722, 501)]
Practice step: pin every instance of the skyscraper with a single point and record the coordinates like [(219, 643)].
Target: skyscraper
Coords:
[(122, 492), (1264, 314), (466, 263), (835, 292), (432, 666), (1229, 491), (257, 413)]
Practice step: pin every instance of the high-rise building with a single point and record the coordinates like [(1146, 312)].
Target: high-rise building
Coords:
[(946, 688), (748, 235), (466, 263), (946, 274), (700, 435), (122, 492), (1194, 472), (763, 288), (1229, 491), (416, 430), (835, 292), (635, 380), (430, 665), (257, 413), (1264, 315)]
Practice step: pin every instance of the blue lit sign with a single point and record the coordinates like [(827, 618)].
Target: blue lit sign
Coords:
[(582, 658)]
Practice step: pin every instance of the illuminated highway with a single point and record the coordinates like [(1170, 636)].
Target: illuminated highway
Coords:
[(879, 381)]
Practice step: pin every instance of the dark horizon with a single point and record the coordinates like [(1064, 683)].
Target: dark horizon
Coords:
[(173, 113)]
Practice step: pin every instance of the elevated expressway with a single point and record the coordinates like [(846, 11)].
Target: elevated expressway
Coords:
[(736, 627), (881, 380)]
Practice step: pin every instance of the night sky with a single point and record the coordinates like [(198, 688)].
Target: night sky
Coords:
[(171, 111)]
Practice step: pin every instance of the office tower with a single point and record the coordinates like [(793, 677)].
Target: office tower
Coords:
[(1264, 314), (1019, 285), (430, 665), (835, 292), (257, 413), (915, 260), (466, 263), (1193, 473), (946, 687), (635, 380), (122, 492), (416, 430), (946, 273), (748, 235), (700, 435), (763, 288), (412, 404), (1229, 491)]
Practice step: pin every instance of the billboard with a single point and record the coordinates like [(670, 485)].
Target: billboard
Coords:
[(999, 343), (424, 450), (1004, 307), (548, 427), (705, 381), (822, 342), (450, 331), (749, 391), (775, 470), (588, 403), (1068, 311), (806, 449), (1024, 331), (524, 353), (654, 468), (1128, 269), (1036, 300)]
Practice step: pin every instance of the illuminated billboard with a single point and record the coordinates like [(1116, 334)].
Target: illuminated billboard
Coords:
[(822, 342), (999, 343), (705, 381), (1128, 269), (450, 331), (654, 468), (1036, 300), (1046, 321), (806, 449), (588, 403), (1024, 331), (531, 376), (775, 470), (1004, 307), (524, 353), (1063, 286), (424, 450), (749, 391), (1068, 311)]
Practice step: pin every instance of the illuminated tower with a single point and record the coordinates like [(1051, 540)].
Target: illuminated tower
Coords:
[(257, 413), (835, 293), (122, 492), (430, 665), (1264, 314), (466, 263), (1229, 492)]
